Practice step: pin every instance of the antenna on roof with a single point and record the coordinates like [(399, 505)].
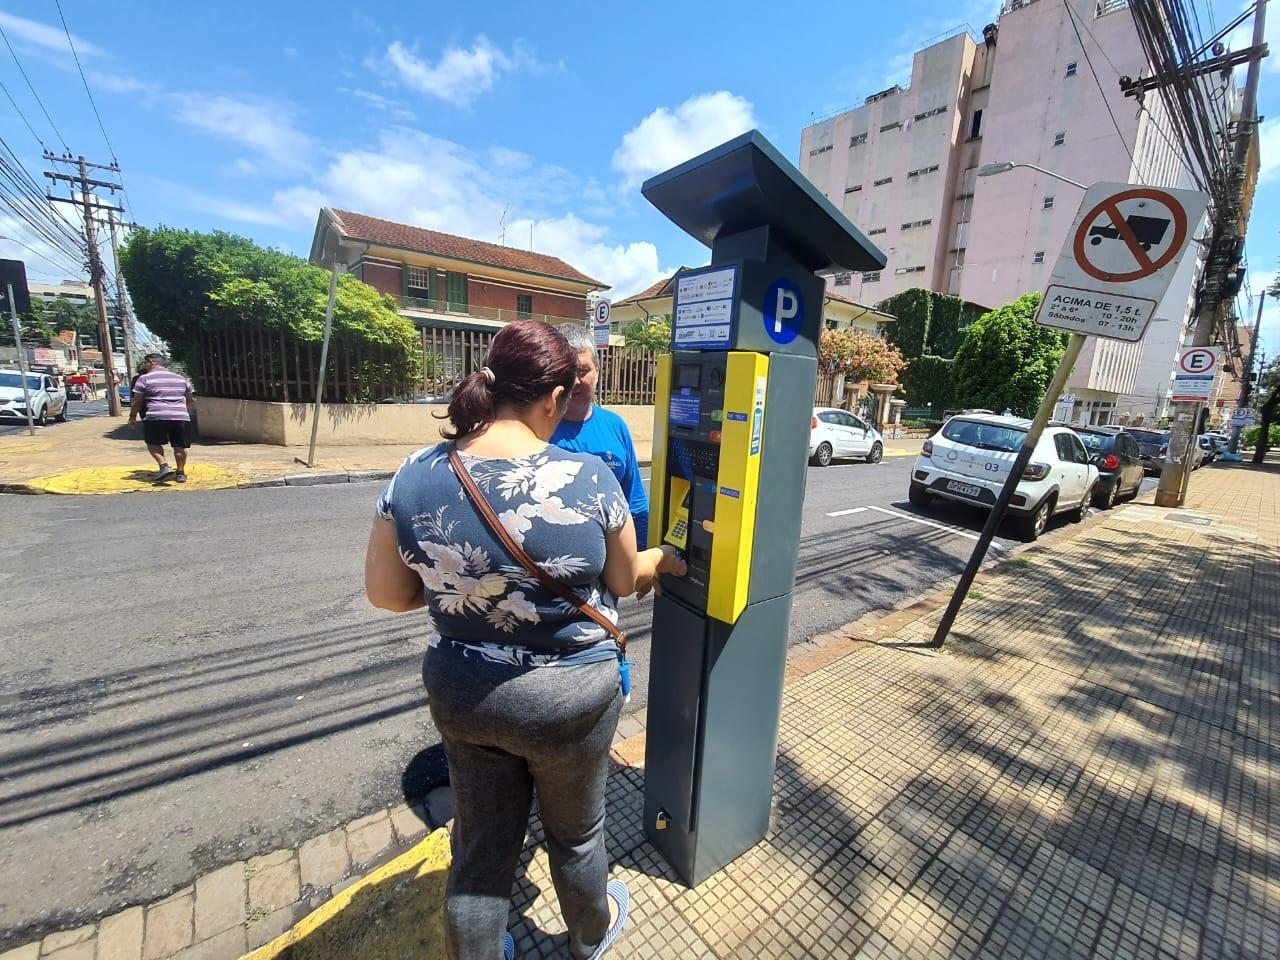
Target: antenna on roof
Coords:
[(531, 236), (502, 225)]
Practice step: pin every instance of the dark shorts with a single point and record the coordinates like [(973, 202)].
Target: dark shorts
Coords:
[(175, 433)]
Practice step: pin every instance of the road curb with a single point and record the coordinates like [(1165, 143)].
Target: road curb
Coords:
[(290, 480)]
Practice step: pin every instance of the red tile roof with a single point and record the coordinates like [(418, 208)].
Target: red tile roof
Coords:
[(663, 288), (376, 230)]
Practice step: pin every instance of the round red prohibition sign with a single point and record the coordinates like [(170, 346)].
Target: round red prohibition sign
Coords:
[(1197, 360), (1111, 207)]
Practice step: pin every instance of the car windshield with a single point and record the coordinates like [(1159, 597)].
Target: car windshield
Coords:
[(985, 436), (1096, 442), (15, 380), (1147, 436)]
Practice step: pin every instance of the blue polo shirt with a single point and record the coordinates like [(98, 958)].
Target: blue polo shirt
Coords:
[(604, 434)]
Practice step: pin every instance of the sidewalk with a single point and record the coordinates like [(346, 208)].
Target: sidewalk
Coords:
[(1090, 768), (101, 455)]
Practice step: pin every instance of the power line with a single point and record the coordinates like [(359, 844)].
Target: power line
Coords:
[(18, 111), (30, 87), (1089, 61)]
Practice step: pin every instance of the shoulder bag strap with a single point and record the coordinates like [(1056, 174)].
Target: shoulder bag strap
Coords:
[(478, 500)]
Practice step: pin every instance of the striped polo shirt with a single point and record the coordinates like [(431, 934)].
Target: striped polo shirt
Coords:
[(165, 394)]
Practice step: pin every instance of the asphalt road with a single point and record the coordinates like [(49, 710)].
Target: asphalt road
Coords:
[(191, 679), (77, 411)]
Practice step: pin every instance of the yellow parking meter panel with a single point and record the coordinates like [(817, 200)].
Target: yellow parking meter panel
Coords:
[(738, 481), (658, 462)]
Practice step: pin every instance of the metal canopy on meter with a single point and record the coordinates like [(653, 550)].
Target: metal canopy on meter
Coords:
[(1123, 249)]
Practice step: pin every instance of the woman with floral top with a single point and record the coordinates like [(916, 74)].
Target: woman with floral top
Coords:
[(523, 687)]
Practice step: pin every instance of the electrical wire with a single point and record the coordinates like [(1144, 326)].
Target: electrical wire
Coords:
[(30, 87), (21, 115)]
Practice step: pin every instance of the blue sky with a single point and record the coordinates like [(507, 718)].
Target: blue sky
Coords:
[(469, 117)]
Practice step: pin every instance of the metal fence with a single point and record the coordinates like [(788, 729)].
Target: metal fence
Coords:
[(252, 363), (451, 355)]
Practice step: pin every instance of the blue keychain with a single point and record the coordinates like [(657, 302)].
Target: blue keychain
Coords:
[(624, 678)]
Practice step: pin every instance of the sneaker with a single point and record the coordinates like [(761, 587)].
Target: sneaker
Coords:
[(164, 473), (181, 476), (617, 892)]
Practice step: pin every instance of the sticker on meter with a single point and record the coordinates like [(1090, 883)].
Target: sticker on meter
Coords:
[(757, 417)]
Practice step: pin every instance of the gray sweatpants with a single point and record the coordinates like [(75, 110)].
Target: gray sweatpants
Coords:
[(507, 729)]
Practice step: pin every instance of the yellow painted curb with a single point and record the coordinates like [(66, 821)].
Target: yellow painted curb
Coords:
[(103, 480), (395, 912), (26, 446)]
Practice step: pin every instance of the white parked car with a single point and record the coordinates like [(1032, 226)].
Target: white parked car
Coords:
[(48, 397), (838, 433), (969, 459)]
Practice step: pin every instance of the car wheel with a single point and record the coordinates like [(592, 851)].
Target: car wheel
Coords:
[(62, 414), (822, 456), (1079, 513), (877, 452), (1031, 526), (1107, 499), (919, 496), (42, 417)]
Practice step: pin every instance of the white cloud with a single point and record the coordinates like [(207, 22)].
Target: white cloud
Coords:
[(628, 268), (1269, 150), (667, 137), (461, 75), (265, 127), (44, 35), (380, 103)]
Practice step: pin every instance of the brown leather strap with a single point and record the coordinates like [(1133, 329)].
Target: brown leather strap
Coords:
[(481, 503)]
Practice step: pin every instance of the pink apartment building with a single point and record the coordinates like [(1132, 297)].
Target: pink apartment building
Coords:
[(903, 166)]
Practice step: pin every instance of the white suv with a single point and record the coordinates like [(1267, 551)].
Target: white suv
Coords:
[(969, 458)]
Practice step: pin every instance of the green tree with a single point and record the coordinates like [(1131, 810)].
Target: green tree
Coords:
[(651, 333), (930, 382), (64, 315), (183, 282), (35, 328), (1005, 360)]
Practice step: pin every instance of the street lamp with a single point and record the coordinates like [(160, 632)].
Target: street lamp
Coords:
[(1004, 166)]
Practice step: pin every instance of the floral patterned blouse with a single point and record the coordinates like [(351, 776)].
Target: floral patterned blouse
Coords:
[(557, 505)]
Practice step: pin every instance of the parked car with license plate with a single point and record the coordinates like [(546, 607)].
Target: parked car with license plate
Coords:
[(969, 459), (1120, 470), (1151, 443), (48, 398), (838, 433)]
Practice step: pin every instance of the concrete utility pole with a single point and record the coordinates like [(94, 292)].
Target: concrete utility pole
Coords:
[(22, 362), (1246, 386), (88, 205), (1184, 425), (122, 302)]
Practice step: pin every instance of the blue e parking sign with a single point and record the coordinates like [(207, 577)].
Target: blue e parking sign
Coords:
[(783, 311)]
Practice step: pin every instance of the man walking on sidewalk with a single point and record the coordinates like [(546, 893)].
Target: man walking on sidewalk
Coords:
[(165, 400)]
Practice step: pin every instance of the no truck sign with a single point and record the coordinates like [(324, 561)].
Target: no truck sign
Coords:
[(1120, 256)]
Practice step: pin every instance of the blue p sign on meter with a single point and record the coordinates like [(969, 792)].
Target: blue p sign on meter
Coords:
[(783, 311)]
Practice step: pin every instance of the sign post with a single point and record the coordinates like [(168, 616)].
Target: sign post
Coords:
[(1116, 264), (13, 273), (600, 322)]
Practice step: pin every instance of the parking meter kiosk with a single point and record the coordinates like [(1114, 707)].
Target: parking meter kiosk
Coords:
[(734, 400)]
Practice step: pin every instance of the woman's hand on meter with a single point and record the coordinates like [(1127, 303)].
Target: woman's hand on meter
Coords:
[(669, 562)]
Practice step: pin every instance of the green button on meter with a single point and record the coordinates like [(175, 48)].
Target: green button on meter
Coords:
[(717, 415)]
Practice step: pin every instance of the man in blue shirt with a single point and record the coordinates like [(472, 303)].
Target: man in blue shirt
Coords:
[(589, 428)]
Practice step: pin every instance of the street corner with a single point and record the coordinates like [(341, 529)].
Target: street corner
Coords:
[(134, 479), (396, 911)]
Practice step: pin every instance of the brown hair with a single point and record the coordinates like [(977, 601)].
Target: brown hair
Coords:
[(528, 359)]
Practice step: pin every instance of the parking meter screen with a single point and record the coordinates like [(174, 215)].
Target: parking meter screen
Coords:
[(686, 401)]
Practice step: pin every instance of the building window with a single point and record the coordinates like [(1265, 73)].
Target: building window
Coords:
[(1048, 203), (871, 276), (817, 150), (881, 183), (418, 283), (922, 170), (831, 324), (842, 279), (901, 270), (930, 113), (1071, 69), (455, 291), (1109, 6), (916, 223), (890, 126), (857, 139), (1038, 257), (524, 306), (876, 231), (1059, 138), (975, 125), (854, 189)]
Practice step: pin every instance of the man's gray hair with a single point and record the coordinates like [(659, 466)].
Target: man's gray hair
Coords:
[(580, 338)]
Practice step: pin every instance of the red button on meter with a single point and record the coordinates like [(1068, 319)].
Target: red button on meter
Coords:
[(714, 436)]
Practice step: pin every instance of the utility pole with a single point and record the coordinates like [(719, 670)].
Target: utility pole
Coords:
[(122, 302), (1246, 387), (1227, 236), (89, 205)]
